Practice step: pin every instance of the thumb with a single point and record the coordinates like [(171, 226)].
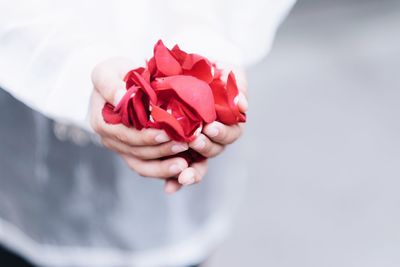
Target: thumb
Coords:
[(243, 104), (107, 78)]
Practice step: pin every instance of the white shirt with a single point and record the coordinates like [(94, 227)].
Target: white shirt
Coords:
[(47, 51)]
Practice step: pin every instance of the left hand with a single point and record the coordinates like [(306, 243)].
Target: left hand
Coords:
[(212, 141)]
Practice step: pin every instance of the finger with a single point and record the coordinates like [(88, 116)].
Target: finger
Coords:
[(223, 134), (156, 168), (107, 78), (155, 152), (242, 84), (145, 152), (116, 146), (133, 137), (241, 80), (172, 186), (120, 132), (243, 104), (240, 75), (205, 146), (193, 174)]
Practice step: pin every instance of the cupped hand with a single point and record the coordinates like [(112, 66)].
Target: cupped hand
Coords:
[(143, 149), (215, 136), (140, 149)]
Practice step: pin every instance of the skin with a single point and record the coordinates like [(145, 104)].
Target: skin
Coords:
[(141, 149)]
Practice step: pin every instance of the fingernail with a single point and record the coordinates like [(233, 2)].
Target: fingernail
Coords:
[(242, 102), (212, 131), (161, 138), (179, 148), (188, 179), (175, 169), (199, 144), (118, 96)]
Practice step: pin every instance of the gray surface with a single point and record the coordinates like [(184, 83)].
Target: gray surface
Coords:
[(324, 143)]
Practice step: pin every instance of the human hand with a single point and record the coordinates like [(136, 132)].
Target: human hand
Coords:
[(140, 149), (216, 135)]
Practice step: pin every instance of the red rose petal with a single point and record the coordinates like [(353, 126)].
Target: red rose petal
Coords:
[(194, 92), (169, 123), (184, 91), (222, 107), (198, 67), (151, 66), (133, 89), (179, 54), (109, 115), (146, 87), (189, 121), (217, 72), (165, 62), (233, 92), (124, 111), (139, 104), (128, 79)]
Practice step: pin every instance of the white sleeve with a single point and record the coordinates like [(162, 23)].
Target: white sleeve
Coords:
[(253, 24), (235, 31), (48, 48), (46, 56)]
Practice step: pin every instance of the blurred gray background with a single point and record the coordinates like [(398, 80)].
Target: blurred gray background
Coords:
[(324, 142)]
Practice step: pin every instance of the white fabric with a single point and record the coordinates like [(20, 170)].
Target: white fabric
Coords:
[(48, 49)]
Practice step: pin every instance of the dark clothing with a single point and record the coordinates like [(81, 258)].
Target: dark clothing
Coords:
[(9, 259)]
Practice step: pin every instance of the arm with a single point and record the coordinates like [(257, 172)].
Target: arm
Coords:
[(47, 53)]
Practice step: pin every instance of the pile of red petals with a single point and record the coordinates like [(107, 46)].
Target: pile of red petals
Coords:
[(179, 93)]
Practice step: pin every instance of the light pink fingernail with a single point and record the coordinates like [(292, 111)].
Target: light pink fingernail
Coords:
[(162, 138), (175, 169), (199, 144), (212, 131), (179, 148), (187, 179)]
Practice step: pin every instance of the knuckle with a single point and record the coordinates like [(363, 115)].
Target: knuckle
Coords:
[(208, 148), (147, 138), (164, 150), (223, 136), (137, 152), (163, 172), (122, 137)]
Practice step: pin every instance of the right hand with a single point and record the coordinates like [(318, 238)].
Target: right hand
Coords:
[(140, 149)]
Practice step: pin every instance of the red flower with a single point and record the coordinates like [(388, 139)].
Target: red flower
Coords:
[(179, 93)]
